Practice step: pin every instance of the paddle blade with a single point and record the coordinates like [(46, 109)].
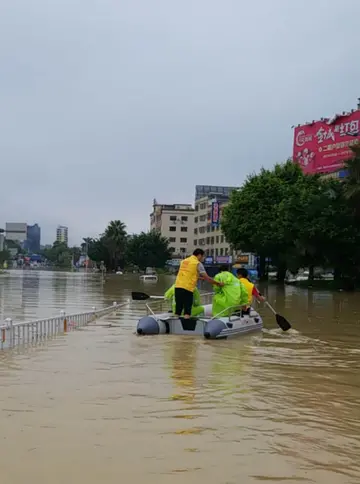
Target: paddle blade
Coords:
[(139, 296), (282, 322)]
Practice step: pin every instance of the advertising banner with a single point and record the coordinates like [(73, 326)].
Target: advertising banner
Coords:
[(224, 259), (215, 214), (323, 146)]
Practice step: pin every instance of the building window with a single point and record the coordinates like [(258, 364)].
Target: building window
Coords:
[(221, 251), (172, 249), (196, 210), (183, 240), (195, 242), (173, 218), (182, 250), (201, 241), (183, 229), (202, 218), (208, 228), (184, 218), (196, 220), (195, 231), (172, 239), (172, 229), (212, 241), (217, 239), (203, 205), (216, 252), (222, 239)]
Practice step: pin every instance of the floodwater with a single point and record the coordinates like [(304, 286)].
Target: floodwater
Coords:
[(101, 405)]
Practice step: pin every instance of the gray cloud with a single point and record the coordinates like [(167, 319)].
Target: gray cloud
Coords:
[(106, 104)]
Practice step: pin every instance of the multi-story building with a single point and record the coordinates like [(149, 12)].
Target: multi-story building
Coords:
[(209, 204), (176, 223), (33, 238), (62, 234), (16, 232)]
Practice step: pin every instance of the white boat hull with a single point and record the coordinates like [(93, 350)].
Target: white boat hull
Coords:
[(205, 326)]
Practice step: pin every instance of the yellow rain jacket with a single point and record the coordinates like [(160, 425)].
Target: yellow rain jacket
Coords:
[(249, 286)]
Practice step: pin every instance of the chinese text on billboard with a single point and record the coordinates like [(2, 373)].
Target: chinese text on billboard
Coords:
[(323, 146), (215, 214)]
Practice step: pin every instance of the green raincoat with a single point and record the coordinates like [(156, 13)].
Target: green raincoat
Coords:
[(226, 298), (197, 308)]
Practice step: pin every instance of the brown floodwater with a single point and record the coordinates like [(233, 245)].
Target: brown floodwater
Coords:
[(101, 405)]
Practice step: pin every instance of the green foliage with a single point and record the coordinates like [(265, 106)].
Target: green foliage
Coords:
[(97, 250), (4, 256), (148, 250), (60, 255), (298, 220), (352, 182), (115, 247)]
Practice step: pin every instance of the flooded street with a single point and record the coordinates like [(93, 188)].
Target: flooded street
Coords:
[(100, 404)]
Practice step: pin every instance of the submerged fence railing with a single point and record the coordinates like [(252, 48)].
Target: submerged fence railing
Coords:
[(14, 334)]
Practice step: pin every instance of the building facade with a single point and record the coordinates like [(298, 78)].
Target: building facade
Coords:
[(62, 234), (16, 232), (33, 238), (176, 223), (207, 232)]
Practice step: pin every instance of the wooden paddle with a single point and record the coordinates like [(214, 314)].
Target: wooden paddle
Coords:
[(281, 321), (141, 296)]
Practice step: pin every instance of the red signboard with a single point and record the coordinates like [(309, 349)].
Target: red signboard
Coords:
[(322, 147)]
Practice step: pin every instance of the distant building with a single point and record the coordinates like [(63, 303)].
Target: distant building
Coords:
[(33, 238), (2, 242), (16, 232), (62, 234), (209, 203), (176, 223)]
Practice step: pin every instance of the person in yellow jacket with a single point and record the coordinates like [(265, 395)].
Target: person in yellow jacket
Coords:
[(196, 310), (190, 271), (243, 276)]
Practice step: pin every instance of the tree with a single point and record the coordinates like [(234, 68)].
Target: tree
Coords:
[(148, 250), (4, 256), (352, 182), (322, 225), (60, 255), (251, 220), (115, 239), (97, 250), (298, 220)]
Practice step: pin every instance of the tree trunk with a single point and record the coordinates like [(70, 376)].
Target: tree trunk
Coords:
[(281, 272), (311, 273), (262, 268)]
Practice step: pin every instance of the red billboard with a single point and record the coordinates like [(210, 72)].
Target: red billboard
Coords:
[(322, 146)]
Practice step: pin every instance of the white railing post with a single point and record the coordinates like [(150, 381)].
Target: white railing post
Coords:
[(63, 322), (44, 328), (9, 327)]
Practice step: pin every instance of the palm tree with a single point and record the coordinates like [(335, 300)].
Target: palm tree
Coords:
[(352, 183), (116, 239)]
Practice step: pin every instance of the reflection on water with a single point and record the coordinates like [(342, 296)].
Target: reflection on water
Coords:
[(102, 404)]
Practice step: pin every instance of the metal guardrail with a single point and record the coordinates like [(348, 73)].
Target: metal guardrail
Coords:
[(32, 332)]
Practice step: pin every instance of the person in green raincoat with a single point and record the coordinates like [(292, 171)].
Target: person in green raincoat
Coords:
[(197, 308), (230, 296)]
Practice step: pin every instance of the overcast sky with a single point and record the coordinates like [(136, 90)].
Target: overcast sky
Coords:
[(106, 104)]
